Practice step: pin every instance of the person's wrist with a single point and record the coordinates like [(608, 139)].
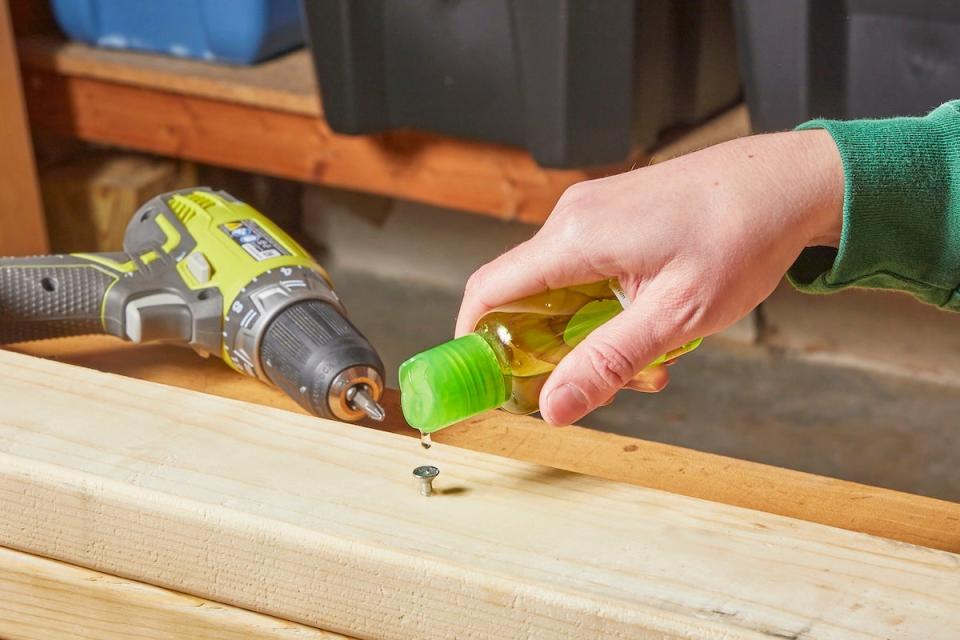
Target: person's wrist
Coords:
[(822, 163)]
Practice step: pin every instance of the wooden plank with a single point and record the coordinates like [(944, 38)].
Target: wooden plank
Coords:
[(320, 523), (500, 181), (21, 211), (90, 199), (286, 83), (881, 512), (267, 119), (43, 599)]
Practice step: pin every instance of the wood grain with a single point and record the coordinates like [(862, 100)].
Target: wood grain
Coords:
[(43, 599), (267, 119), (286, 83), (320, 523), (500, 181), (21, 210), (838, 503), (148, 103)]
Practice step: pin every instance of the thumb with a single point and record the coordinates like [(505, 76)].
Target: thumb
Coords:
[(604, 363)]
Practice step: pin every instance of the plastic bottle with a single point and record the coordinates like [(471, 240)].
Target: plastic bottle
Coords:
[(506, 360)]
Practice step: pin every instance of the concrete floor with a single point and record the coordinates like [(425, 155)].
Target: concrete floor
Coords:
[(740, 401)]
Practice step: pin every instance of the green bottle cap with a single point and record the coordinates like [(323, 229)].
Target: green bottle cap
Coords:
[(451, 382)]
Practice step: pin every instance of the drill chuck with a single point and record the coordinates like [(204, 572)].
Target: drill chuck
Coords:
[(312, 352)]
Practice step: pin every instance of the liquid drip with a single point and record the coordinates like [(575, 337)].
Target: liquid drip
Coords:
[(425, 440)]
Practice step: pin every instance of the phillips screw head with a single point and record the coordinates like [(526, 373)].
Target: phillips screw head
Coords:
[(425, 476)]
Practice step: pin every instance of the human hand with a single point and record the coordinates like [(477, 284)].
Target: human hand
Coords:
[(696, 242)]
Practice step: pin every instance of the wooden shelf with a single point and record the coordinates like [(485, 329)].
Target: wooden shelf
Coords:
[(284, 84), (268, 119)]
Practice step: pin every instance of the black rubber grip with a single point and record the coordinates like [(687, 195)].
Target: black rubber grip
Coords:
[(39, 301), (306, 346)]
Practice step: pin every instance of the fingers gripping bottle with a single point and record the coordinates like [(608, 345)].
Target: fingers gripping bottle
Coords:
[(507, 359)]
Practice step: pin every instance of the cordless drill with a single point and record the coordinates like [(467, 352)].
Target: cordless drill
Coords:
[(202, 269)]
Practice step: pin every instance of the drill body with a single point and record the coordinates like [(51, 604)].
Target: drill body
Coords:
[(202, 269)]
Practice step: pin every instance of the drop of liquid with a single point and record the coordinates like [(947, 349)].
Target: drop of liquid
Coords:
[(425, 440)]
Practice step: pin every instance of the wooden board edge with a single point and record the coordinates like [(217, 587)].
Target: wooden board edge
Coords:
[(236, 541), (885, 513), (43, 599), (98, 101), (147, 71), (484, 178)]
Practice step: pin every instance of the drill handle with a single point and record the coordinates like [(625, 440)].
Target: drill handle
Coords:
[(54, 296)]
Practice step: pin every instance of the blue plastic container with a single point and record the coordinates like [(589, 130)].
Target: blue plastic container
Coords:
[(237, 31)]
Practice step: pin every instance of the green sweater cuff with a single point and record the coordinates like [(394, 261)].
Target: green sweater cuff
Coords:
[(901, 209)]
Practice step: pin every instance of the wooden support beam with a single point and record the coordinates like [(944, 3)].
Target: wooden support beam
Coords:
[(320, 523), (500, 181), (22, 230), (881, 512), (43, 599), (268, 119)]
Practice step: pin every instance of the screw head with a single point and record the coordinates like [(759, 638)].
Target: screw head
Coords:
[(425, 476), (426, 472)]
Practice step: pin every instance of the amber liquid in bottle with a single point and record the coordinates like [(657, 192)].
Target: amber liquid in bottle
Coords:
[(531, 336)]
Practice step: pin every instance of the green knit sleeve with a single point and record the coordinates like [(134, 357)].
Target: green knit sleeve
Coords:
[(901, 209)]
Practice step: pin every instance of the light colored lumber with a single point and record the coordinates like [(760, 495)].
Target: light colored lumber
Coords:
[(21, 210), (320, 523), (43, 599), (267, 119), (890, 514), (90, 199)]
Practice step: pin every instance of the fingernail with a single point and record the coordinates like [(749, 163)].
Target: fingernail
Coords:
[(566, 403), (651, 379)]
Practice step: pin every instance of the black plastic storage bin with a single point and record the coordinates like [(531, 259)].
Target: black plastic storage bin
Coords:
[(804, 59), (577, 82)]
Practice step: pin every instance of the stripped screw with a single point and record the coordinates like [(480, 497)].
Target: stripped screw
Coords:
[(425, 476)]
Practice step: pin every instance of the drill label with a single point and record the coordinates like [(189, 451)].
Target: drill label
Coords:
[(253, 240)]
